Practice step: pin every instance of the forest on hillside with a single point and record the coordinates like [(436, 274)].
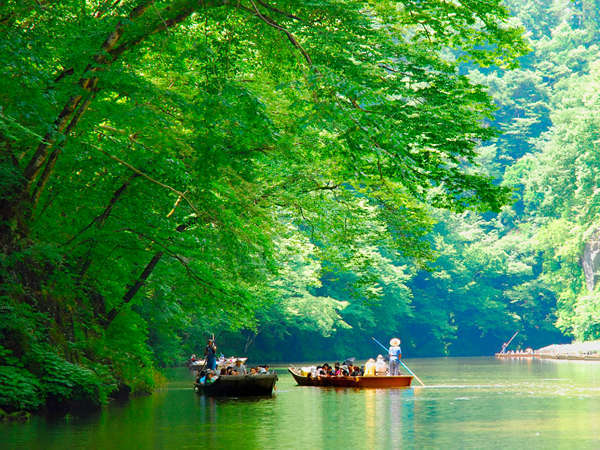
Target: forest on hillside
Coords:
[(491, 274), (292, 176)]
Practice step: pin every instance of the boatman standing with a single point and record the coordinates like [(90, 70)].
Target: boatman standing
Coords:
[(211, 355), (395, 353)]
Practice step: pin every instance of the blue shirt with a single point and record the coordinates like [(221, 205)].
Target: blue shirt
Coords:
[(394, 352)]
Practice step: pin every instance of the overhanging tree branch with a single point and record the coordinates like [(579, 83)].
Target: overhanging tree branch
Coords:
[(279, 11), (147, 177), (269, 21)]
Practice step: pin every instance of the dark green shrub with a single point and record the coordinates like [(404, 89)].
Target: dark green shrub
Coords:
[(66, 384), (19, 390)]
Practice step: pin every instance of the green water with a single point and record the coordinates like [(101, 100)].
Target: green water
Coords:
[(468, 403)]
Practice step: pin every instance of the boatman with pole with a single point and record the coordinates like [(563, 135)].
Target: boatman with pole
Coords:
[(210, 353), (395, 353), (403, 365), (506, 344)]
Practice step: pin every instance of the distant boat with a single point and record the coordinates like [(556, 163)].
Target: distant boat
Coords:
[(382, 381), (239, 385)]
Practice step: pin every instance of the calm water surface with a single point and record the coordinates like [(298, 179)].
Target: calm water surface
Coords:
[(468, 403)]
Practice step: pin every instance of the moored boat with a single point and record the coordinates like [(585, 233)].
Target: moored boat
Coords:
[(382, 382), (516, 355), (239, 385)]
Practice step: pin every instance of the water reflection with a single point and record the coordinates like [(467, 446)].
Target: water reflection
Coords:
[(468, 402)]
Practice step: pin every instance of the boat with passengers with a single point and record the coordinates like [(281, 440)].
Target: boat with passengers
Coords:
[(239, 385), (304, 378), (231, 379)]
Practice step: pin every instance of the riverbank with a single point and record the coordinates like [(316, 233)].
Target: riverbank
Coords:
[(579, 351)]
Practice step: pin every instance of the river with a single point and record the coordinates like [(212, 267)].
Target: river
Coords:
[(467, 403)]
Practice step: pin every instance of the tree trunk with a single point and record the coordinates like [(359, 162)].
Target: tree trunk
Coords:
[(133, 289), (99, 221)]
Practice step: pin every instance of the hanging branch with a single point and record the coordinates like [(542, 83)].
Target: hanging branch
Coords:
[(283, 13), (269, 21), (133, 289), (147, 177), (100, 219)]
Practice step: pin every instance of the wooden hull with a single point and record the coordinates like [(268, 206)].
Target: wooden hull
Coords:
[(381, 382), (515, 355), (239, 385)]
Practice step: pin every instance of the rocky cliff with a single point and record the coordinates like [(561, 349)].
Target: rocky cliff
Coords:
[(590, 260)]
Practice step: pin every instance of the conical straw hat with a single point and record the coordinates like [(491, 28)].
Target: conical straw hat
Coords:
[(395, 342)]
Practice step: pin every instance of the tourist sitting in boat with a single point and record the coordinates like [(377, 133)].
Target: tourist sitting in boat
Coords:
[(206, 377), (356, 372), (380, 366), (370, 367), (239, 367), (263, 369), (210, 377), (253, 371)]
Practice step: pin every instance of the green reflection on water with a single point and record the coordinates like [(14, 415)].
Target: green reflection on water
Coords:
[(468, 403)]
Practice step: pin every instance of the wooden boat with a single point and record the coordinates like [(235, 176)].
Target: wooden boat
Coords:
[(595, 357), (381, 382), (516, 355), (239, 385)]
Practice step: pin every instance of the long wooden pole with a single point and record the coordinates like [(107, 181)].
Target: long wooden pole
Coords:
[(400, 361), (505, 346)]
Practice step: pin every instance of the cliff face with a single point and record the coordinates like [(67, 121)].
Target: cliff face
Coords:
[(590, 261)]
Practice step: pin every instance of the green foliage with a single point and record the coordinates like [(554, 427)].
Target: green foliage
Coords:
[(269, 169), (62, 382), (34, 374), (20, 389), (519, 270), (126, 346), (549, 110)]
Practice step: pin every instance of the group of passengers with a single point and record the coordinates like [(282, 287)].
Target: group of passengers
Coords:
[(239, 368), (348, 369), (527, 351), (338, 370), (373, 367)]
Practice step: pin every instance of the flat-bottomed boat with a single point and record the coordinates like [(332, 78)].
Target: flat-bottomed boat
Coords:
[(381, 382), (239, 385)]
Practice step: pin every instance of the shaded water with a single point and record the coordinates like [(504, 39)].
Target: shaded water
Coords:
[(468, 403)]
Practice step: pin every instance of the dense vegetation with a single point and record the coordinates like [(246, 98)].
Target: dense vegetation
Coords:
[(494, 274), (293, 176)]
